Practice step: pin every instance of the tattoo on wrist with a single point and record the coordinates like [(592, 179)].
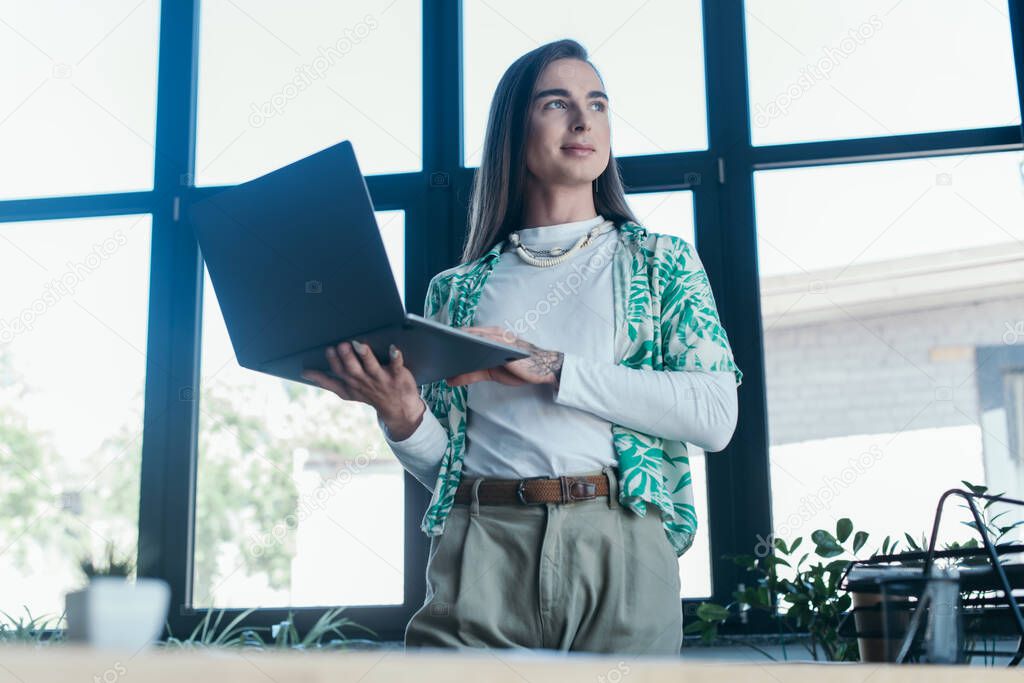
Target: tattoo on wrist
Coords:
[(547, 362)]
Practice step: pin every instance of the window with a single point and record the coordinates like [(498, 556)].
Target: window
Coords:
[(287, 476), (392, 231), (695, 564), (72, 374), (672, 213), (878, 280), (648, 115), (1000, 382), (665, 212), (276, 85), (850, 68), (78, 101)]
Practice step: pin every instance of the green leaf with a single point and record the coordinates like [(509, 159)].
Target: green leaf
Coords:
[(695, 627), (805, 556), (859, 539), (844, 527), (836, 566), (989, 501), (709, 611), (745, 561), (973, 487), (826, 544)]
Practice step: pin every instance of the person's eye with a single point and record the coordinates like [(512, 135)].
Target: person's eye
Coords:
[(601, 106), (555, 102)]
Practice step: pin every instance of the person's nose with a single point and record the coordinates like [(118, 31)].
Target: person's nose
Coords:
[(581, 122)]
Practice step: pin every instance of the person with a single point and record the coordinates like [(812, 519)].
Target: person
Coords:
[(562, 495)]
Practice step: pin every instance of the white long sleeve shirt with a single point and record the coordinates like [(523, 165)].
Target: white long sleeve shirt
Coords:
[(533, 430)]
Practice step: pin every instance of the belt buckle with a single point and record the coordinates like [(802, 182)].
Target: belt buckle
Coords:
[(567, 484), (521, 490)]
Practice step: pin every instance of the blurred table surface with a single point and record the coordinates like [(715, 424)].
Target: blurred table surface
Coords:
[(65, 663)]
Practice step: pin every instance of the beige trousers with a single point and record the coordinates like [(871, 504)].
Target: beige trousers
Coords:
[(584, 576)]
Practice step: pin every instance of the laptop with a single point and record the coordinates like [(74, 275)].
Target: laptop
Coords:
[(298, 263)]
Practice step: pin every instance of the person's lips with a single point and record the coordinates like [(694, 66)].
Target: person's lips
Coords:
[(578, 150)]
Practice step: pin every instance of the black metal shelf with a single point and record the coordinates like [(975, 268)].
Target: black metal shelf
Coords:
[(901, 580)]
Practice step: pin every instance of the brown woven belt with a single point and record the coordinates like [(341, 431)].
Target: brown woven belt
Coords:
[(534, 490)]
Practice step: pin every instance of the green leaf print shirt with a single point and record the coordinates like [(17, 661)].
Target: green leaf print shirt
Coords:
[(665, 319)]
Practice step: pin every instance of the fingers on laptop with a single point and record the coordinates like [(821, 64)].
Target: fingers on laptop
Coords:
[(370, 365), (336, 384), (349, 364), (329, 383)]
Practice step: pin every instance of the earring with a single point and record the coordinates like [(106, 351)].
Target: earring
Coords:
[(597, 184)]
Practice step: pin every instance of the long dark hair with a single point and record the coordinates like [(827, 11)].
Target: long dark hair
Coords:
[(496, 202)]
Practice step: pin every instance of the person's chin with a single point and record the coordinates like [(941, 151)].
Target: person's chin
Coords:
[(579, 172)]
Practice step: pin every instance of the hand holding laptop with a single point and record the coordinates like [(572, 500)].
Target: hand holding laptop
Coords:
[(540, 367), (391, 389)]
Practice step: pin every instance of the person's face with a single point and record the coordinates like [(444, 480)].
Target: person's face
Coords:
[(569, 107)]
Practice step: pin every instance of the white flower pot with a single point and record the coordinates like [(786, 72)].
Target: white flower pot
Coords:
[(112, 612)]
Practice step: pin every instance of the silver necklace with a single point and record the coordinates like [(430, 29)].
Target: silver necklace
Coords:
[(552, 257)]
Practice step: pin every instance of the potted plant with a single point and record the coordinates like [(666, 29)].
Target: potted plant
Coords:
[(41, 630), (326, 634), (116, 610), (813, 602)]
